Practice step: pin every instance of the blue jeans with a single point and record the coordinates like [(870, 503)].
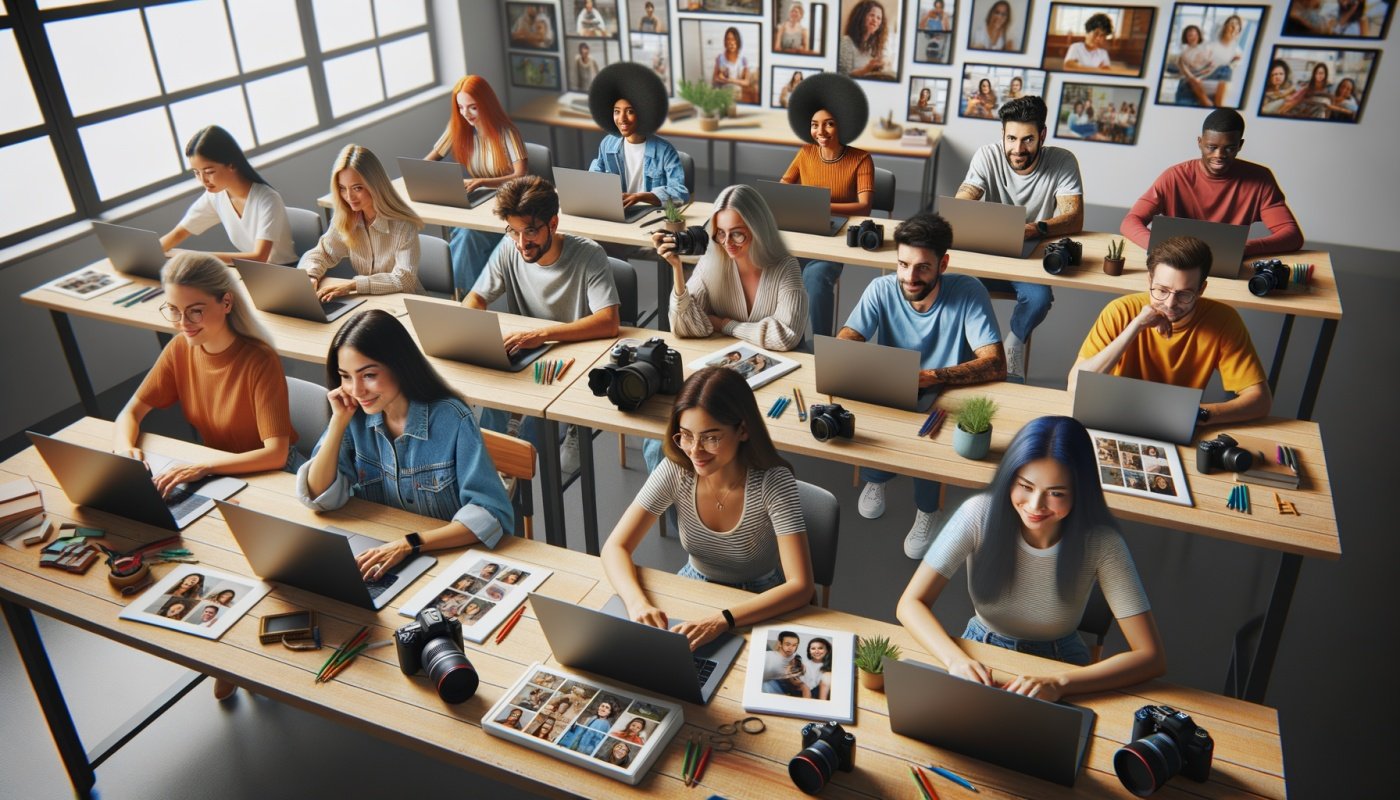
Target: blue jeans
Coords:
[(819, 279), (495, 419), (1069, 649), (470, 250), (1033, 302), (760, 584), (925, 491)]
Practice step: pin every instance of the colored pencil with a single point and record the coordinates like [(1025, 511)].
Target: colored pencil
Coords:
[(564, 369), (127, 297), (139, 297), (537, 372), (689, 753), (928, 422), (782, 406), (699, 770), (160, 290), (923, 779), (510, 623), (954, 777), (1244, 493), (801, 404), (922, 791), (1230, 500), (341, 651), (344, 663), (801, 415)]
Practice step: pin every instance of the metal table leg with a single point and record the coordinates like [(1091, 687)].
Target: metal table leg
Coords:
[(710, 157), (1279, 351), (589, 489), (733, 161), (929, 188), (665, 284), (1319, 363), (74, 356), (552, 484)]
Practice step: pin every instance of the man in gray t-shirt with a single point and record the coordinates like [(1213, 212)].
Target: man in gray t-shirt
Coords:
[(1024, 171)]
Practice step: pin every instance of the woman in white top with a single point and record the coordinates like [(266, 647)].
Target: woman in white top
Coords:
[(1090, 54), (861, 53), (740, 518), (791, 36), (371, 225), (1034, 544), (251, 211), (994, 32), (732, 69), (590, 22)]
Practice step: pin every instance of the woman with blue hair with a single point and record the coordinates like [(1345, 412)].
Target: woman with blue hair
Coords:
[(1035, 543)]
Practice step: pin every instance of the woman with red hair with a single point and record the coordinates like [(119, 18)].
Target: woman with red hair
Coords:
[(485, 142)]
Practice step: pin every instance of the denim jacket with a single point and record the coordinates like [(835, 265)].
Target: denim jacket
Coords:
[(439, 468), (662, 174)]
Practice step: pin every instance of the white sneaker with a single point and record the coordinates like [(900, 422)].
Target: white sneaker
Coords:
[(513, 427), (568, 452), (872, 501), (921, 535), (1015, 357)]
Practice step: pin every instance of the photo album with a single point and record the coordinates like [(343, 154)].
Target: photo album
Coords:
[(759, 367), (480, 589), (1142, 467), (87, 283), (195, 600), (802, 672)]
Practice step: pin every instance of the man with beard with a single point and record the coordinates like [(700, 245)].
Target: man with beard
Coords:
[(547, 275), (1170, 334), (1024, 171), (948, 320)]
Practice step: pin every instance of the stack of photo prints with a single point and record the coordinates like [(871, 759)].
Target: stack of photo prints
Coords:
[(801, 672), (195, 600), (480, 590), (1142, 467), (758, 367), (611, 731)]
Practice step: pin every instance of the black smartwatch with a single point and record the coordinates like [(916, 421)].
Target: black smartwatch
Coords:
[(1202, 415), (728, 617), (414, 541), (1043, 229)]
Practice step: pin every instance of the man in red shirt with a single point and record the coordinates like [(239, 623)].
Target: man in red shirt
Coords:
[(1218, 188)]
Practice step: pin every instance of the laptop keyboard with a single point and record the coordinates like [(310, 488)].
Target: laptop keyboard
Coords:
[(332, 306), (377, 586), (704, 667), (183, 501)]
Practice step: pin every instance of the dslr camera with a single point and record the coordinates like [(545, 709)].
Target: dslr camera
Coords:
[(1222, 453), (867, 235), (693, 241), (829, 421), (636, 372), (1269, 275), (432, 643), (1165, 742), (1061, 254), (826, 747)]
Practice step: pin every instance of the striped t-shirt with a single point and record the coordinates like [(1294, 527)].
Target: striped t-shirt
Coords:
[(750, 550), (1031, 607), (846, 177)]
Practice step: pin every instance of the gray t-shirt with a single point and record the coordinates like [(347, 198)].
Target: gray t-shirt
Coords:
[(1056, 175), (577, 284)]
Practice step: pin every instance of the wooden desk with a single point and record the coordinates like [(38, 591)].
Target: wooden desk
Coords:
[(375, 697)]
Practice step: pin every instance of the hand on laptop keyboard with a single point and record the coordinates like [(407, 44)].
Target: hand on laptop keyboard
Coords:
[(702, 631), (167, 481)]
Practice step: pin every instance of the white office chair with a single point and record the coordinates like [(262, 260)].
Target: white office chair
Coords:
[(311, 413), (435, 266), (306, 229)]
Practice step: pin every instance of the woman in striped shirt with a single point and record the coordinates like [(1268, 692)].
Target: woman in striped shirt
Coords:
[(740, 518), (1035, 543)]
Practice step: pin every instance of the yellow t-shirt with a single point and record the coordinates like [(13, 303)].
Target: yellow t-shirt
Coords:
[(1216, 338)]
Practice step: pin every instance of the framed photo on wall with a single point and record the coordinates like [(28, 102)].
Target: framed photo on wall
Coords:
[(1339, 19), (783, 81), (928, 100), (999, 25), (653, 50), (532, 26), (799, 28), (649, 16), (986, 86), (726, 54), (1209, 55), (1103, 40), (585, 58), (870, 47), (1097, 112), (593, 19), (934, 24), (529, 71), (1318, 83), (750, 7)]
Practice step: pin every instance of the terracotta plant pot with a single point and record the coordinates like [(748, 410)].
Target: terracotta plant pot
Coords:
[(1113, 266), (971, 445), (709, 123), (673, 227), (874, 681)]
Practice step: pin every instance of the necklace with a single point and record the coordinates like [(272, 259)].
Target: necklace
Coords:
[(719, 504), (826, 160)]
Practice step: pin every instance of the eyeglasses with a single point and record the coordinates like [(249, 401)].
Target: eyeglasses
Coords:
[(529, 233), (1163, 294), (737, 237), (174, 314), (710, 442)]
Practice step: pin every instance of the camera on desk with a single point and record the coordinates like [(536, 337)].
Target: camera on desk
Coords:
[(693, 241), (867, 235), (826, 747), (1061, 254), (1272, 275), (830, 421), (432, 644), (636, 372), (1221, 454), (1165, 742)]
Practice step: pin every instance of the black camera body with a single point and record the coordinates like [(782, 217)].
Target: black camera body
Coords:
[(636, 372), (1269, 275), (432, 643), (1221, 454), (693, 241), (831, 421), (867, 235), (1165, 742), (1064, 253), (826, 747)]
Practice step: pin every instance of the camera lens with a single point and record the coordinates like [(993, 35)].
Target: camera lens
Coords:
[(693, 241), (1262, 283), (633, 384), (1144, 765), (812, 768), (1236, 459), (823, 427), (1055, 260), (448, 668)]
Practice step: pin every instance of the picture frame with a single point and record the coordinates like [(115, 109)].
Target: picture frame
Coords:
[(653, 50), (801, 671), (746, 8), (988, 31), (86, 283), (703, 56), (1109, 40), (935, 110), (781, 83), (532, 26), (867, 56), (480, 589), (196, 600), (1140, 467), (1209, 55), (804, 36), (601, 52), (1327, 100), (1077, 119), (1360, 19), (531, 71), (975, 103), (935, 31), (597, 22), (657, 22), (758, 367)]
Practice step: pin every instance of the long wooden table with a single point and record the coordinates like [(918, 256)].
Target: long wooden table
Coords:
[(373, 696)]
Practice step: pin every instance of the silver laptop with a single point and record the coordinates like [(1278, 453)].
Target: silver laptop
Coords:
[(440, 183), (287, 290), (608, 643), (1032, 736), (595, 194), (315, 559), (1136, 407), (801, 209), (870, 373), (981, 226), (131, 250), (1226, 242), (469, 335), (122, 485)]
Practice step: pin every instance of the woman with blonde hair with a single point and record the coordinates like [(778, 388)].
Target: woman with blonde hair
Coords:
[(372, 226)]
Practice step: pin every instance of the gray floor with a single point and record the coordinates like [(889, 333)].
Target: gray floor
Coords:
[(1336, 706)]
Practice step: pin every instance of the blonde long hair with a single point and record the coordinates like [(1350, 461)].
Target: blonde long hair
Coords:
[(387, 202), (769, 250), (208, 274)]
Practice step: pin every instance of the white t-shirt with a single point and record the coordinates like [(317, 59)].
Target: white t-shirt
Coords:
[(264, 217), (1088, 59), (632, 155)]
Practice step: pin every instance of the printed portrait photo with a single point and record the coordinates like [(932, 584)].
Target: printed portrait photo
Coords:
[(934, 25), (176, 608), (468, 583), (1339, 19), (783, 81), (225, 592), (1111, 476), (928, 100), (725, 54), (649, 16), (799, 28), (586, 58), (532, 26), (546, 679), (578, 691), (515, 718), (633, 728), (473, 610), (1107, 450), (1134, 480), (591, 727), (594, 19), (1104, 40), (869, 47), (1099, 112), (496, 591), (1209, 52), (985, 87), (653, 50), (615, 752), (1315, 83), (534, 72), (999, 25), (797, 665), (546, 726), (532, 697), (1161, 484), (751, 7)]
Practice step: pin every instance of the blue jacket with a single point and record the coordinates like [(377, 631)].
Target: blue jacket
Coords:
[(439, 468), (662, 174)]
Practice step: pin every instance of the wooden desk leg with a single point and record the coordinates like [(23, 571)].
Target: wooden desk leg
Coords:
[(1319, 363), (552, 485), (1279, 351), (76, 367), (588, 485)]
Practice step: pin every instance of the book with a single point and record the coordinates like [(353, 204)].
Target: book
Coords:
[(802, 672), (20, 487), (86, 283), (196, 600), (21, 507), (1266, 469), (480, 589), (758, 366), (1142, 467)]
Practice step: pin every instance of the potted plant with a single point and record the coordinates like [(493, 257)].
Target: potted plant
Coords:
[(675, 220), (871, 653), (973, 435), (709, 101), (1113, 262)]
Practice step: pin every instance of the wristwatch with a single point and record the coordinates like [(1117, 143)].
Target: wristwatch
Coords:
[(1042, 228), (1202, 415), (414, 541), (728, 617)]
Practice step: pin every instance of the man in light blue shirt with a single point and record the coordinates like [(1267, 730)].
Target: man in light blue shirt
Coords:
[(948, 320)]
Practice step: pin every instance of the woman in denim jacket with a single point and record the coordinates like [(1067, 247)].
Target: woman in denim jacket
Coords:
[(628, 101), (399, 435)]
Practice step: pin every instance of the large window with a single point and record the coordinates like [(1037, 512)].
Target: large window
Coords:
[(115, 89)]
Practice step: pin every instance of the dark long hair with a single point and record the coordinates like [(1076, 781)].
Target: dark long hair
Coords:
[(1065, 440), (726, 396), (855, 27), (217, 145), (378, 336)]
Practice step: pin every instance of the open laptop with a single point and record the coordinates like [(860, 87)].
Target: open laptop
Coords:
[(980, 226), (316, 559), (287, 290), (439, 183), (1036, 737), (121, 485), (608, 643), (1136, 407), (131, 250), (870, 373), (801, 209), (595, 194), (1226, 242), (469, 335)]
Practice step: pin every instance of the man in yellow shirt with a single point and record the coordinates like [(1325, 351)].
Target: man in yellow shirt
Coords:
[(1170, 334)]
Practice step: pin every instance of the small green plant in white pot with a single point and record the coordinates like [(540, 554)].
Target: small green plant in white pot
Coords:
[(972, 436)]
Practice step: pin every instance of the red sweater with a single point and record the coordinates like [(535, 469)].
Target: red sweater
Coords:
[(1248, 195)]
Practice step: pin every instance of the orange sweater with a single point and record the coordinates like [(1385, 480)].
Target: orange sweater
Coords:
[(852, 173)]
